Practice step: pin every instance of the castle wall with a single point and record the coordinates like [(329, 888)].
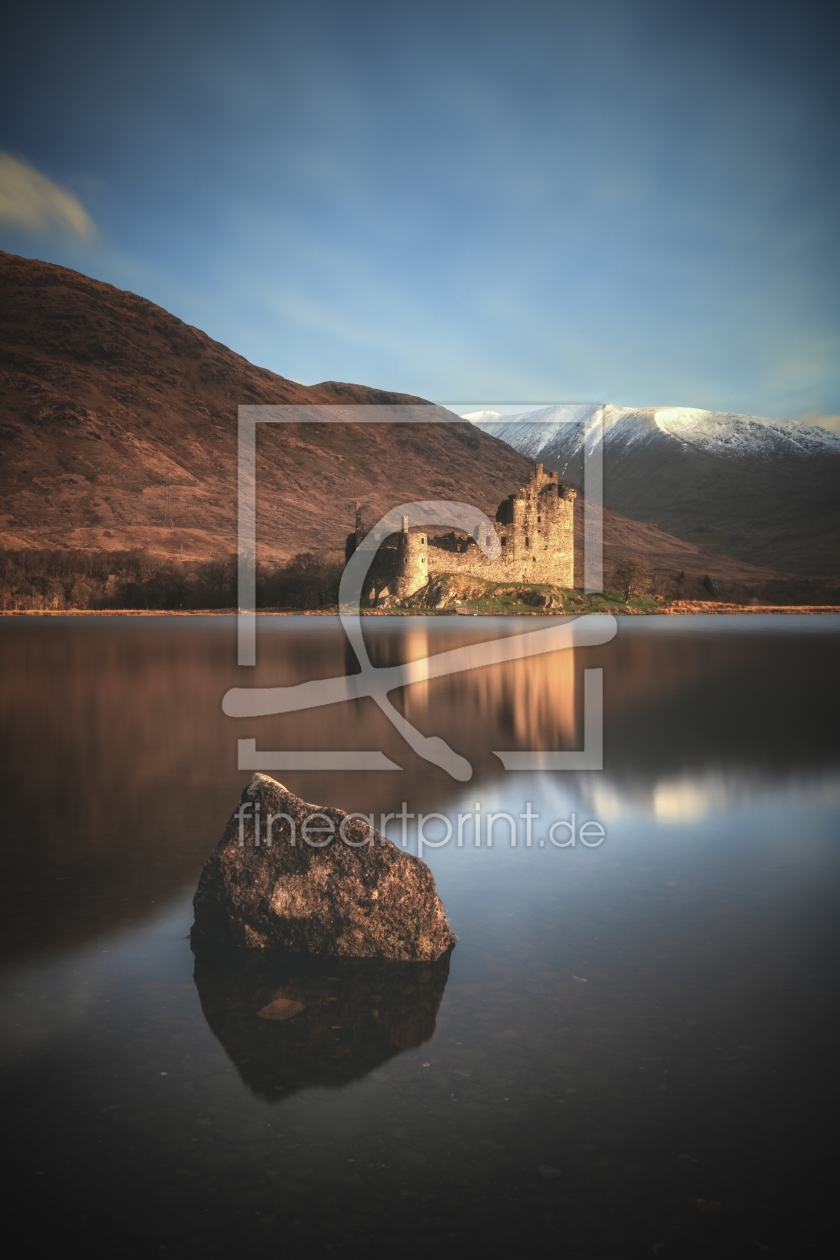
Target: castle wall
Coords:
[(535, 528), (537, 562)]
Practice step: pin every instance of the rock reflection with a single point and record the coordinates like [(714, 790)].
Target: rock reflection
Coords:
[(691, 717), (291, 1021)]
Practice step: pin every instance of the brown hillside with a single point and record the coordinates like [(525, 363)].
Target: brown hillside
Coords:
[(664, 553), (105, 396)]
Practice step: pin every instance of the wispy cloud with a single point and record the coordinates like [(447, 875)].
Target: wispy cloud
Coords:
[(29, 200), (832, 423)]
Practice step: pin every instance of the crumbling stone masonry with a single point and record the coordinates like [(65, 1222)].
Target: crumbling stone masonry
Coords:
[(535, 527)]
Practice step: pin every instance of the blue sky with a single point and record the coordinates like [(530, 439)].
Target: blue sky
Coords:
[(634, 203)]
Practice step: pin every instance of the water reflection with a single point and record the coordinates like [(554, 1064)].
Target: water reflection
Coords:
[(637, 1042), (288, 1021), (689, 798), (118, 768), (532, 701)]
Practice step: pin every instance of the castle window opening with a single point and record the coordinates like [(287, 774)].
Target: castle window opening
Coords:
[(527, 542)]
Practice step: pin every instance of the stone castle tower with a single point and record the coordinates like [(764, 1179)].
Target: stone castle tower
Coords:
[(412, 564), (535, 528)]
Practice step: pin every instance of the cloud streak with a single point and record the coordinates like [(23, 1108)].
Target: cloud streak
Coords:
[(29, 200), (817, 417)]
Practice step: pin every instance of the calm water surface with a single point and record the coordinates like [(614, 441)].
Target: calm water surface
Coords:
[(631, 1050)]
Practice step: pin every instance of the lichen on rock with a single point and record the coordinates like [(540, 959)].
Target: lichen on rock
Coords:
[(312, 879)]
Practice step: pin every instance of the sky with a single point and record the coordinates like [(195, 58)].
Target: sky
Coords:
[(478, 203)]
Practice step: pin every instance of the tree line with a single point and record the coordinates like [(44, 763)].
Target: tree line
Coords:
[(634, 578), (136, 580)]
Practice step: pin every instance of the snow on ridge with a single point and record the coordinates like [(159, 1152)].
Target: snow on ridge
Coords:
[(477, 416), (530, 432), (729, 433), (560, 432)]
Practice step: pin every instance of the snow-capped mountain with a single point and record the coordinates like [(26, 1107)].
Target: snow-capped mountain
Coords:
[(724, 433), (767, 491), (567, 427), (478, 416)]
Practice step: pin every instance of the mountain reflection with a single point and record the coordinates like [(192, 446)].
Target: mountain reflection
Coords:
[(289, 1021), (119, 768)]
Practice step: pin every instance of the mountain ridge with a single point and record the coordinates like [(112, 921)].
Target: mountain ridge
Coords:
[(759, 490), (104, 397)]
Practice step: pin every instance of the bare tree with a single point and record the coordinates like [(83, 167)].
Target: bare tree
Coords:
[(632, 577)]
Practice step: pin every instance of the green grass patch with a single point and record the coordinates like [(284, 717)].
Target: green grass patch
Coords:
[(456, 592)]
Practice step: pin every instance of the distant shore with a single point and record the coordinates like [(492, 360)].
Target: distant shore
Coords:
[(678, 608)]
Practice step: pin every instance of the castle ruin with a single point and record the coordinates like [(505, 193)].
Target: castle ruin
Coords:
[(535, 528)]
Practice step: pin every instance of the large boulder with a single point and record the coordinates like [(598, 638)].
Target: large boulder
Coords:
[(327, 884), (542, 599)]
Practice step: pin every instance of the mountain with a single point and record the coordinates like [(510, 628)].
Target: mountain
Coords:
[(761, 491), (104, 397)]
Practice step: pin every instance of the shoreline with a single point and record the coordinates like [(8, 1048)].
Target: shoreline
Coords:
[(684, 608)]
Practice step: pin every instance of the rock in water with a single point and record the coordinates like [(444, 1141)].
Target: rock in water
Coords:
[(327, 883)]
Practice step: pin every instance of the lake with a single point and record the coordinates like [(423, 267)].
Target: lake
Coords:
[(630, 1051)]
